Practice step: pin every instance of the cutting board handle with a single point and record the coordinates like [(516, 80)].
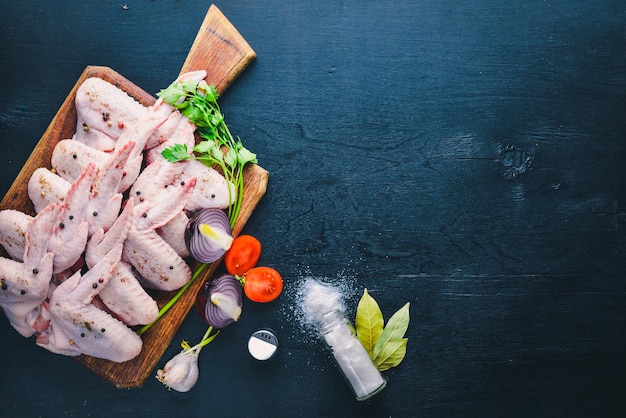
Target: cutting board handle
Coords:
[(219, 49)]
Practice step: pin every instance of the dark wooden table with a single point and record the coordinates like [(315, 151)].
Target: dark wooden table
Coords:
[(467, 157)]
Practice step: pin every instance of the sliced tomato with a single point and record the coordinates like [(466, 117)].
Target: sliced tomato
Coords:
[(243, 255), (263, 284)]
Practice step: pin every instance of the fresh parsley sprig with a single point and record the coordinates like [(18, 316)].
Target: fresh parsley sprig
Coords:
[(198, 102)]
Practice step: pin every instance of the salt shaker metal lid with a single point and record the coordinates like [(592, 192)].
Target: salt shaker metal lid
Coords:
[(263, 344)]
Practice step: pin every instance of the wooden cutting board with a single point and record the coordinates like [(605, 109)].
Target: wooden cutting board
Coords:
[(220, 50)]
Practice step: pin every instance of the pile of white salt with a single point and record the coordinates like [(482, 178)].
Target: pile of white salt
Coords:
[(318, 299)]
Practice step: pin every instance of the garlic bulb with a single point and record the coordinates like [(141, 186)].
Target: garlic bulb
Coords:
[(181, 372)]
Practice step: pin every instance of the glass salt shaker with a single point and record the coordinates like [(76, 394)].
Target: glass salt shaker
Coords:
[(350, 356)]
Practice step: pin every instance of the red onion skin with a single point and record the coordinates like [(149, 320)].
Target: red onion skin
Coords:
[(209, 311), (197, 245)]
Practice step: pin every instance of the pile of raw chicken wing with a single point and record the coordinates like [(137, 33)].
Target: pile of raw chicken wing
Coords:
[(110, 220)]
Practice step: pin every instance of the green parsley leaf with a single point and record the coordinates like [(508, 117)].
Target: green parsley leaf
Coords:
[(231, 158), (176, 152), (216, 119), (209, 91), (204, 147), (172, 94), (193, 113), (217, 153), (245, 156), (189, 85)]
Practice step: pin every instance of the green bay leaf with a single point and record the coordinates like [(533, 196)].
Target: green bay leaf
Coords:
[(391, 354), (395, 329), (369, 322)]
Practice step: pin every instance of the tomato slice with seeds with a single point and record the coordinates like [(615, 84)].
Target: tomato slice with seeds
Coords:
[(243, 255), (263, 284)]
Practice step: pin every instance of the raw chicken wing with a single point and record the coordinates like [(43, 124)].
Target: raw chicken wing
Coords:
[(13, 225), (158, 264), (124, 295), (69, 236), (24, 286), (79, 327), (46, 187)]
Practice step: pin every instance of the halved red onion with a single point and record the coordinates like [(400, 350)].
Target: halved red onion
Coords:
[(208, 235), (220, 301)]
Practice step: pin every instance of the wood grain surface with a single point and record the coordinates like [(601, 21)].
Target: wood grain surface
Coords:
[(219, 49)]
